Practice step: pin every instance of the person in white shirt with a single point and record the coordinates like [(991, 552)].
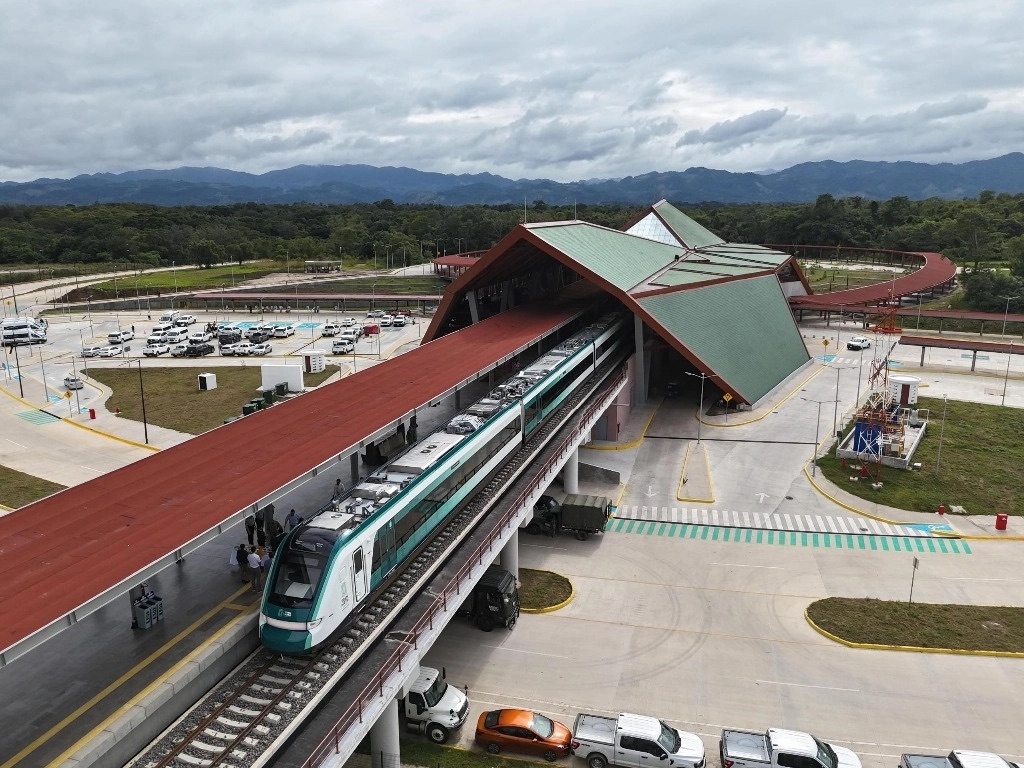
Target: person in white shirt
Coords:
[(254, 568)]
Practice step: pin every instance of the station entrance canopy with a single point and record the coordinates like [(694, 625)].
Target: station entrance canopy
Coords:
[(721, 306)]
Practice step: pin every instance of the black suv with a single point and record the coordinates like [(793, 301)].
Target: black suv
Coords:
[(198, 350), (259, 337), (229, 337)]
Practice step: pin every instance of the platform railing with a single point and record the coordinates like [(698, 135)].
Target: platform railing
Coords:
[(374, 689)]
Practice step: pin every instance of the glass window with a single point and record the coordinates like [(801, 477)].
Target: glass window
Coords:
[(826, 755), (542, 726), (296, 579), (436, 691), (492, 718), (669, 738)]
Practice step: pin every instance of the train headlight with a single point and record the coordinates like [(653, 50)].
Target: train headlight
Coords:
[(313, 624)]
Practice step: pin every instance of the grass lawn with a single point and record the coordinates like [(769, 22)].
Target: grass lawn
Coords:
[(982, 456), (824, 280), (173, 397), (387, 286), (921, 625), (542, 589), (18, 489), (184, 279)]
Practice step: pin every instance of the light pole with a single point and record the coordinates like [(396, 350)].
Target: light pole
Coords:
[(17, 369), (700, 412), (458, 242), (860, 372), (142, 396), (817, 428), (174, 269), (1006, 312), (942, 431), (1006, 378)]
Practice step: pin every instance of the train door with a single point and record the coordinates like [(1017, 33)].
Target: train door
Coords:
[(358, 575)]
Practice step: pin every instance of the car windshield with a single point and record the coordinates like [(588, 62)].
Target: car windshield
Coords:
[(436, 691), (296, 578), (668, 738), (542, 726), (826, 755)]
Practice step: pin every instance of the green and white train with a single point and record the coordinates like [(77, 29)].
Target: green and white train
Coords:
[(326, 568)]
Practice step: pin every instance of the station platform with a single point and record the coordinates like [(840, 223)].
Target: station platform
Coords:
[(68, 690)]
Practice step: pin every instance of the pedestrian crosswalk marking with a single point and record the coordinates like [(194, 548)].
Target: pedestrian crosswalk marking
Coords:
[(780, 538), (38, 417), (839, 525)]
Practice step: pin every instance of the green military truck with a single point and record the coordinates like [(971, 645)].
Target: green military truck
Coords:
[(583, 515)]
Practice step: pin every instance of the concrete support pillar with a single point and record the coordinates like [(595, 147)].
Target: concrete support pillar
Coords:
[(640, 382), (384, 747), (571, 473), (458, 399), (353, 462), (510, 555), (922, 357), (474, 308)]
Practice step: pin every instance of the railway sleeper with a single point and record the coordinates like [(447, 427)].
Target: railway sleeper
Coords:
[(269, 680), (250, 713), (253, 700), (231, 723)]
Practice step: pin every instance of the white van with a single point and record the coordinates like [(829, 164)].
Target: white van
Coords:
[(176, 335), (22, 330), (120, 337), (170, 316), (162, 327), (282, 331)]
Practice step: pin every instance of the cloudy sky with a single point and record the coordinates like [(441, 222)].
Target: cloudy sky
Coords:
[(564, 90)]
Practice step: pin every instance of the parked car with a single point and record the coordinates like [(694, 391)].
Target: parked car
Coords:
[(184, 320), (958, 758), (386, 320), (375, 313), (782, 748), (92, 350), (398, 321), (199, 337), (73, 382), (239, 349), (260, 349), (178, 350), (120, 337), (348, 322), (858, 342), (260, 337), (635, 740), (157, 337), (520, 730), (230, 336), (330, 329), (199, 350), (155, 350), (342, 347), (433, 707)]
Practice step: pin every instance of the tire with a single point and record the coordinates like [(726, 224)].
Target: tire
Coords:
[(597, 760), (493, 749), (486, 624), (533, 529), (437, 733), (582, 535), (550, 756)]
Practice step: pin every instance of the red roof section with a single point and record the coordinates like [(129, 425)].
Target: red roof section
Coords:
[(971, 344), (59, 553), (457, 261), (937, 270)]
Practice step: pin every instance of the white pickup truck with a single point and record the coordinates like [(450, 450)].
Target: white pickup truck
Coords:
[(781, 748), (433, 707), (958, 758), (634, 741)]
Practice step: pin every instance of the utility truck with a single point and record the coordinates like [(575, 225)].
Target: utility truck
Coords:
[(634, 741), (958, 758), (433, 707), (494, 601), (781, 748)]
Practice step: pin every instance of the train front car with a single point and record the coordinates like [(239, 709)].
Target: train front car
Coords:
[(319, 574)]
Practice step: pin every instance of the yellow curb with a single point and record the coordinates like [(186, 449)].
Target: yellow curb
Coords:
[(119, 439), (622, 492), (682, 478), (907, 648), (552, 608), (769, 411), (631, 443), (5, 508)]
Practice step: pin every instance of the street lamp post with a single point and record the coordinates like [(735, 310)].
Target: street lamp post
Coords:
[(860, 372), (17, 369), (700, 412), (458, 242), (1006, 378), (942, 432), (1006, 312), (142, 396)]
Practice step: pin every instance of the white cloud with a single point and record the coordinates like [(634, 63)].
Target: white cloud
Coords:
[(564, 91)]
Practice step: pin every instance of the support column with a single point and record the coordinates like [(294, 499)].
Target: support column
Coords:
[(353, 461), (458, 399), (922, 356), (510, 555), (384, 747), (474, 308), (571, 473), (640, 380)]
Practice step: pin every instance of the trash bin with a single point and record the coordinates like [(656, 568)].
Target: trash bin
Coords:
[(281, 389), (143, 614), (268, 396), (257, 403), (92, 413), (248, 408), (1001, 520)]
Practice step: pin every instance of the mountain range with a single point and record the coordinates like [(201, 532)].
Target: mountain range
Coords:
[(366, 183)]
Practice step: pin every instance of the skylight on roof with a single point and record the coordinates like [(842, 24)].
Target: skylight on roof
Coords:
[(651, 228)]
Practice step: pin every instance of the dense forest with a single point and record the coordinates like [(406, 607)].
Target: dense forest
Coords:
[(979, 233)]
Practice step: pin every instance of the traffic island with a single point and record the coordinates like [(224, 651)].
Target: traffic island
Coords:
[(543, 591), (889, 625)]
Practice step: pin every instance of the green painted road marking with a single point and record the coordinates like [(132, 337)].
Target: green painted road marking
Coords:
[(924, 545), (38, 417)]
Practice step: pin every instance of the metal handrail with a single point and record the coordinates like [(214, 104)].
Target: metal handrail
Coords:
[(375, 688)]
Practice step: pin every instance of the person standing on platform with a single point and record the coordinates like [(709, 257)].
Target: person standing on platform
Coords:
[(292, 520), (254, 568), (240, 558), (339, 491), (265, 562), (250, 529), (261, 531)]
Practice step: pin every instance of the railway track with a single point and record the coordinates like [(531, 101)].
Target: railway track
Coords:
[(263, 701)]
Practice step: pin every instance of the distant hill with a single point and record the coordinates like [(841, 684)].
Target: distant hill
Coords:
[(366, 183)]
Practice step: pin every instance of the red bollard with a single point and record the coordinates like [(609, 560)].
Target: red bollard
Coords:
[(1001, 520), (92, 413), (942, 509)]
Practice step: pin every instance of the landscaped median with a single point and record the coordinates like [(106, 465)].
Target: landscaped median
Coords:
[(543, 591), (980, 630)]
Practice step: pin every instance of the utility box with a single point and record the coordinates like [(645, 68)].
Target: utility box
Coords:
[(207, 381), (314, 361)]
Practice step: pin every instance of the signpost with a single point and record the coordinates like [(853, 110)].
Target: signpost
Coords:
[(912, 575), (728, 399)]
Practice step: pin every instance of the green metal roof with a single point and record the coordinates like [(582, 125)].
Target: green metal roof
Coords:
[(622, 259), (687, 273), (686, 229), (742, 330), (753, 254)]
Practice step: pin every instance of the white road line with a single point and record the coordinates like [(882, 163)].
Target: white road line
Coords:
[(973, 578), (541, 546), (801, 685), (820, 523), (531, 653), (747, 565), (17, 444)]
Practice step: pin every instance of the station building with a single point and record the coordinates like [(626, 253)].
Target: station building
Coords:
[(702, 306)]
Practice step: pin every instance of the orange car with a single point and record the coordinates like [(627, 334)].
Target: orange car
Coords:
[(519, 730)]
